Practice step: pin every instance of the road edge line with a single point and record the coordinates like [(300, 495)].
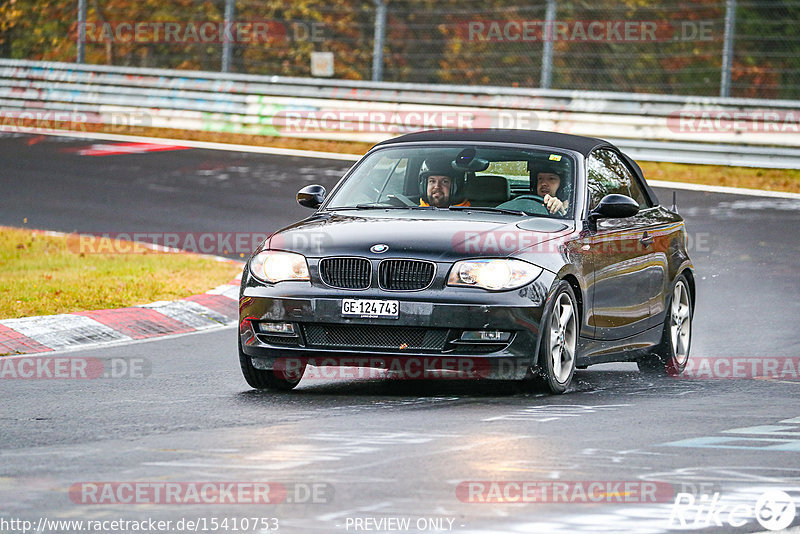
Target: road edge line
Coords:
[(209, 145)]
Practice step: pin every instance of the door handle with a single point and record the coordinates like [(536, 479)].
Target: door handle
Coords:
[(646, 239)]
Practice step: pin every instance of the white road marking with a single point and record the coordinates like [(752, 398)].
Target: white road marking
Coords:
[(208, 145), (546, 413), (355, 157)]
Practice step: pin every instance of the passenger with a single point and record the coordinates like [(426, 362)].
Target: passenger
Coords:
[(440, 188)]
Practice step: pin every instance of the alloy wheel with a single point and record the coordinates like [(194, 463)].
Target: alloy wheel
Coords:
[(680, 325), (563, 338)]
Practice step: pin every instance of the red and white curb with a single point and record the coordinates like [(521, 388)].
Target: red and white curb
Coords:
[(216, 308)]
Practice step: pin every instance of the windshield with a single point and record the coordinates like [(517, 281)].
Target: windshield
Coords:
[(508, 180)]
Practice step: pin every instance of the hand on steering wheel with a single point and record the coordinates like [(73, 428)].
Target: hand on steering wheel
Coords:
[(562, 210)]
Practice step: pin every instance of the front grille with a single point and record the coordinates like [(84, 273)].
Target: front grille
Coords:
[(405, 275), (374, 337), (346, 273)]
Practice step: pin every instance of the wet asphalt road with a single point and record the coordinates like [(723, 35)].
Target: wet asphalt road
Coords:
[(381, 449)]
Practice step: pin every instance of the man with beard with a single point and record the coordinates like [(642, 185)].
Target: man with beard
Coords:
[(440, 187)]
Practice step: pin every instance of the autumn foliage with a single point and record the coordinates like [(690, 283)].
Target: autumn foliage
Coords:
[(428, 41)]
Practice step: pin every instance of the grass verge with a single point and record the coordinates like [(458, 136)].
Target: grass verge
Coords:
[(42, 275), (750, 178)]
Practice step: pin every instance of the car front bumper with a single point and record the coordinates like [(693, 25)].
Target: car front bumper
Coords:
[(426, 335)]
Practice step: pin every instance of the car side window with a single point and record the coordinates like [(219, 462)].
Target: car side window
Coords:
[(608, 174)]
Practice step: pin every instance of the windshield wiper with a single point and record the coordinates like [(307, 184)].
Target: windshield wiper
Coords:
[(385, 207), (377, 207), (494, 210)]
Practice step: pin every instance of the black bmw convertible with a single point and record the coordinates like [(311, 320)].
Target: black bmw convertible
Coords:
[(493, 254)]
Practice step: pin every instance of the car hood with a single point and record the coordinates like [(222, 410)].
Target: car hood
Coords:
[(434, 236)]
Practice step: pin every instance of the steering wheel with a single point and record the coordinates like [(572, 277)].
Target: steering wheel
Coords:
[(537, 198)]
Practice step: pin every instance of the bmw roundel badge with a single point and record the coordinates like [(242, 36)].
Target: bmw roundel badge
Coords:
[(379, 248)]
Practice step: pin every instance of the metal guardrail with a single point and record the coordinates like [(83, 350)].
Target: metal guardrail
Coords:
[(649, 127)]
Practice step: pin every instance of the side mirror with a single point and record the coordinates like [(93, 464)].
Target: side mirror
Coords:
[(311, 196), (614, 207)]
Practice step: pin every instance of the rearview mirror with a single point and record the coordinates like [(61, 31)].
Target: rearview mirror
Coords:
[(614, 207), (311, 196), (466, 161)]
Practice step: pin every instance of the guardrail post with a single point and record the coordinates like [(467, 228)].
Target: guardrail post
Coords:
[(727, 48), (380, 32), (230, 6), (81, 31), (547, 45)]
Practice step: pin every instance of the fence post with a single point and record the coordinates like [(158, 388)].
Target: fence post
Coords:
[(81, 31), (230, 6), (547, 46), (727, 48), (380, 32)]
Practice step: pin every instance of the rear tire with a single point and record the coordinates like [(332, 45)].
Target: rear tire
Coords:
[(557, 352), (268, 379), (671, 355)]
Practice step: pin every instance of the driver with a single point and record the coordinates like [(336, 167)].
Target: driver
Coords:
[(548, 181), (439, 187)]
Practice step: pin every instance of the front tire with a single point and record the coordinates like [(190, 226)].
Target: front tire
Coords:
[(268, 379), (672, 354), (557, 351)]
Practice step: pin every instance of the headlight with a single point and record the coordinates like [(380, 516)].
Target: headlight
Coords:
[(273, 266), (493, 274)]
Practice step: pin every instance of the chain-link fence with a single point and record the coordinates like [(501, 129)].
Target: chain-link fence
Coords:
[(744, 48)]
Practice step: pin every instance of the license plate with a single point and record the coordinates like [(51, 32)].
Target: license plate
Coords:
[(370, 308)]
